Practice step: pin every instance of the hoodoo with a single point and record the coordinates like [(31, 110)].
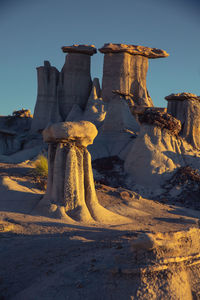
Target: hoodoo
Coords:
[(70, 187), (46, 104), (125, 69), (186, 108), (75, 79)]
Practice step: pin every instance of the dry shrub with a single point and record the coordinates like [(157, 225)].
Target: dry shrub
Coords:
[(40, 171)]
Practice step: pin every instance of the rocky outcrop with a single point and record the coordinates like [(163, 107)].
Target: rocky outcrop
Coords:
[(46, 104), (95, 110), (164, 265), (70, 188), (125, 69), (162, 120), (134, 50), (22, 113), (117, 132), (84, 49), (13, 131), (75, 80), (157, 151), (186, 108)]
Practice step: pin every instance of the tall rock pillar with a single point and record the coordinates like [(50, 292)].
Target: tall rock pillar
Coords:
[(125, 69), (46, 104), (75, 80), (186, 108)]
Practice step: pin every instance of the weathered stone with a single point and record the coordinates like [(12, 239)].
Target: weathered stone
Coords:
[(70, 188), (23, 113), (84, 49), (155, 154), (82, 132), (95, 111), (186, 108), (162, 120), (75, 81), (182, 97), (46, 105), (117, 130), (127, 74), (134, 50)]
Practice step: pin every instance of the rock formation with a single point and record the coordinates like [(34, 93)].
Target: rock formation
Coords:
[(75, 79), (166, 264), (186, 108), (46, 104), (13, 131), (70, 188), (158, 150), (95, 110), (125, 69), (117, 131)]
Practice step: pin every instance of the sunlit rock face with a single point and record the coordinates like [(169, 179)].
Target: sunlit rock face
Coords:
[(186, 108), (70, 188), (75, 80), (158, 150), (125, 69), (46, 104)]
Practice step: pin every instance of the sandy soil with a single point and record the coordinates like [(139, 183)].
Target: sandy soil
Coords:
[(44, 258)]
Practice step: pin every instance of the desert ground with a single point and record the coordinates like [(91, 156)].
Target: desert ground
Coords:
[(45, 258)]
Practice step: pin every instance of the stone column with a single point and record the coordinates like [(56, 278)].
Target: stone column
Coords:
[(71, 191), (125, 69), (186, 108), (75, 80), (46, 104)]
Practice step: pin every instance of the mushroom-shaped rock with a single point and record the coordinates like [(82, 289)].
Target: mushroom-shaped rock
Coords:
[(186, 108), (125, 69), (75, 81), (70, 188)]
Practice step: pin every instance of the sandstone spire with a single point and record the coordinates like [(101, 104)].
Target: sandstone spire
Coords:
[(46, 104), (125, 69), (186, 108), (75, 80)]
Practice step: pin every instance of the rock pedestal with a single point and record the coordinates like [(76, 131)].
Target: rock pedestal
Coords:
[(70, 187), (125, 69), (186, 108), (75, 80), (46, 104)]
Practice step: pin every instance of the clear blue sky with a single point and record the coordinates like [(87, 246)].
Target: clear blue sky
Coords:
[(32, 31)]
